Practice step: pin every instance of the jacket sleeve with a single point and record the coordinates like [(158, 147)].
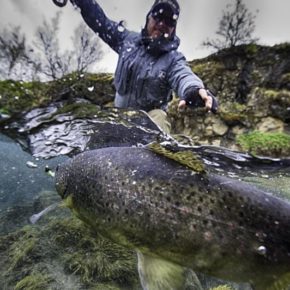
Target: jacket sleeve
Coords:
[(111, 32), (181, 77)]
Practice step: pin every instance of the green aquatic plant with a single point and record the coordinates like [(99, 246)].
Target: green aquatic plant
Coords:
[(105, 286), (78, 255), (20, 252), (33, 282), (222, 287), (103, 264), (268, 144), (93, 258)]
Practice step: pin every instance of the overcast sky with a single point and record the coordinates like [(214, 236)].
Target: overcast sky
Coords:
[(198, 20)]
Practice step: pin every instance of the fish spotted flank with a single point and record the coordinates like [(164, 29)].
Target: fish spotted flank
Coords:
[(209, 223)]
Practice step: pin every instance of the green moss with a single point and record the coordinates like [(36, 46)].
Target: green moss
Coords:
[(93, 258), (80, 110), (283, 96), (94, 87), (281, 283), (33, 282), (77, 254), (20, 252), (233, 112), (20, 96), (222, 287), (282, 48), (206, 68), (105, 286), (105, 263), (101, 77), (251, 49), (267, 144)]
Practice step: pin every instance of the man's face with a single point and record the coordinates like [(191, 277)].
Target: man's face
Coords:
[(158, 26)]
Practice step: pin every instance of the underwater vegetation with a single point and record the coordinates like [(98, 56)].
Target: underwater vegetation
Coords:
[(64, 254)]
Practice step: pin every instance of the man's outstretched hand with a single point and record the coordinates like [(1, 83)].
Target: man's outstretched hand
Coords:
[(199, 98)]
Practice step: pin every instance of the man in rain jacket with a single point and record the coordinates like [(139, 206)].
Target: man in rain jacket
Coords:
[(149, 66)]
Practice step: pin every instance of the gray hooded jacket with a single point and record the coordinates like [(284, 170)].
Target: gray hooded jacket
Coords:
[(147, 71)]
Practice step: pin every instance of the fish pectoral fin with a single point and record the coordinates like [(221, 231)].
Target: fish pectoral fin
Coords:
[(159, 274)]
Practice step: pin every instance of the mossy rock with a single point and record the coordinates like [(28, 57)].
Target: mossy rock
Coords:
[(233, 113), (79, 110), (266, 144), (282, 48), (96, 88), (20, 96)]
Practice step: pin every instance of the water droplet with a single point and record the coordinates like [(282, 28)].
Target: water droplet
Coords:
[(129, 49), (262, 250), (121, 28), (30, 164), (175, 16), (90, 89), (166, 35), (16, 98)]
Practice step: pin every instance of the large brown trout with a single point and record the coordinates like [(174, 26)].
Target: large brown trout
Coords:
[(168, 212)]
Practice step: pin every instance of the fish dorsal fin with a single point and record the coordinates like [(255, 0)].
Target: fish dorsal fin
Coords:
[(185, 157)]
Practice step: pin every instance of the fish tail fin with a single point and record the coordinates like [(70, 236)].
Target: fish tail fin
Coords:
[(158, 274)]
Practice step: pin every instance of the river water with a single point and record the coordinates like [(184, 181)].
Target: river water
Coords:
[(26, 188)]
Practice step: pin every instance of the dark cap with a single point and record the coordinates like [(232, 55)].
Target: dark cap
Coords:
[(169, 8)]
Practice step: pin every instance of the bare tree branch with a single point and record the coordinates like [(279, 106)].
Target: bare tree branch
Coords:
[(46, 60), (236, 27), (87, 48)]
